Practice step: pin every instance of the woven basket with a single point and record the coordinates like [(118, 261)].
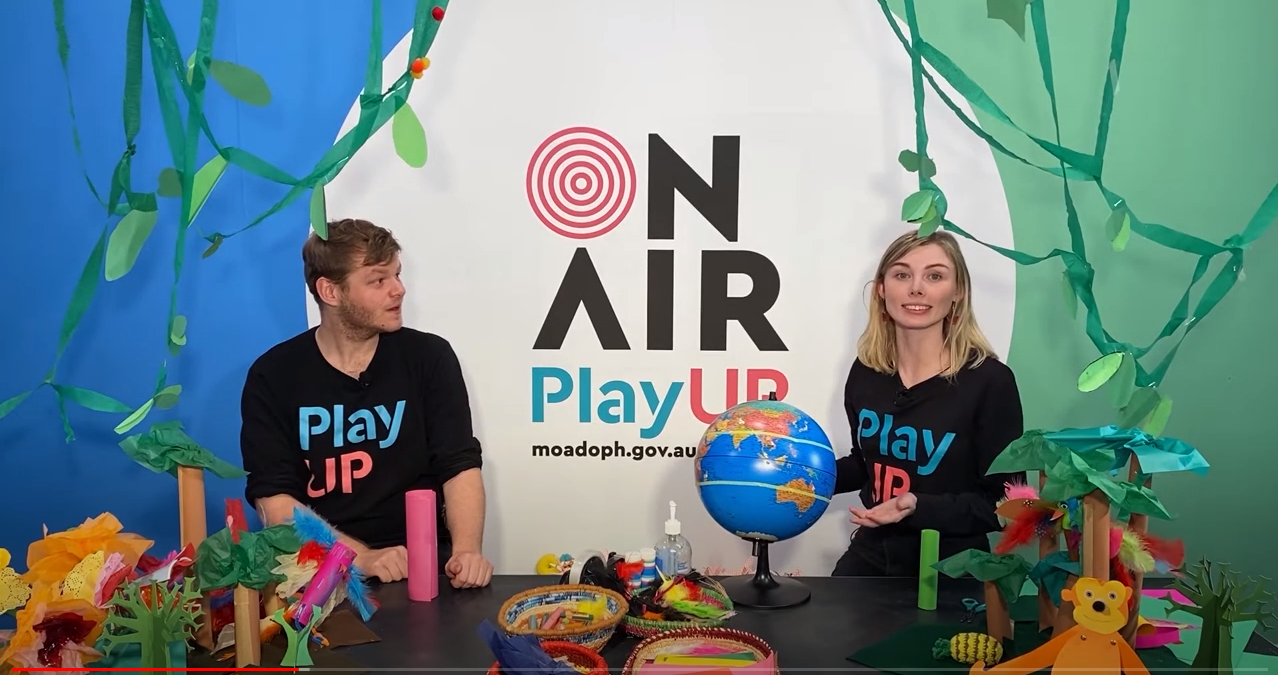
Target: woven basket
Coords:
[(594, 635), (641, 628), (584, 659), (663, 643)]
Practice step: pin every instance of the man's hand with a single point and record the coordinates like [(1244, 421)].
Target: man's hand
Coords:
[(891, 511), (468, 569), (387, 564)]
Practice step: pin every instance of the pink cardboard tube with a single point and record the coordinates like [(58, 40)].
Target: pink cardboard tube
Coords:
[(422, 545)]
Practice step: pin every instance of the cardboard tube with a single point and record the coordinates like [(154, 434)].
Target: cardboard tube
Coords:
[(929, 550), (1065, 613), (270, 600), (422, 545), (998, 620), (248, 630), (1139, 523), (1046, 547), (1096, 536), (191, 514)]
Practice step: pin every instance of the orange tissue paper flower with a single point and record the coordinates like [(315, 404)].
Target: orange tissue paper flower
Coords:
[(50, 559), (54, 633)]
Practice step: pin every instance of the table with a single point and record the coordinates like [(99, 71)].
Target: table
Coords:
[(845, 614)]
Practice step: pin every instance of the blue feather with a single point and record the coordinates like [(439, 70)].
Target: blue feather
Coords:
[(357, 593), (521, 654), (310, 527)]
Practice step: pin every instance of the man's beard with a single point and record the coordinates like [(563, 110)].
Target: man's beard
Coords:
[(356, 322)]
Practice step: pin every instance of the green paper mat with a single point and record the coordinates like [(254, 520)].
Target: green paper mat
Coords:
[(909, 652)]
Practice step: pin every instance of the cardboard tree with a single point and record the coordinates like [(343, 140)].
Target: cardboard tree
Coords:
[(152, 615), (167, 449), (1003, 577), (242, 560), (1221, 601)]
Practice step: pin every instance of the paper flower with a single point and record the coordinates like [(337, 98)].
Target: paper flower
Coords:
[(13, 590), (51, 559), (81, 581), (54, 632)]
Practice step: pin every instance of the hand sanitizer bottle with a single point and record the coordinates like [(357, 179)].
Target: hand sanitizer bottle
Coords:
[(674, 553)]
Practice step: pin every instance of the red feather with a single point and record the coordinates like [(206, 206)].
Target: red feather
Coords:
[(1170, 551), (1019, 532), (1120, 574), (311, 551)]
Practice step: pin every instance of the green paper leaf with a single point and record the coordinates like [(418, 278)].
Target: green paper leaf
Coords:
[(929, 224), (13, 402), (240, 82), (1010, 12), (319, 214), (1124, 234), (177, 333), (1114, 224), (909, 160), (409, 137), (92, 399), (170, 183), (1123, 383), (168, 396), (927, 168), (1008, 572), (222, 563), (916, 206), (1157, 420), (190, 67), (205, 179), (1098, 372), (1071, 298), (137, 416), (213, 247), (1139, 406), (126, 242)]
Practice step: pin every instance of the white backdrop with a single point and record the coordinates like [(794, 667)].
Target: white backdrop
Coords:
[(820, 98)]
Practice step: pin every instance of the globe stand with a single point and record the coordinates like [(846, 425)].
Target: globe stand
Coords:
[(763, 590)]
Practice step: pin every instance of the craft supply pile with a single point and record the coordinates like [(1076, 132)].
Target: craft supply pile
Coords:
[(94, 595)]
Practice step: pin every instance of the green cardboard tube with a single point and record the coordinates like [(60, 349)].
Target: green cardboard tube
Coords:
[(929, 549)]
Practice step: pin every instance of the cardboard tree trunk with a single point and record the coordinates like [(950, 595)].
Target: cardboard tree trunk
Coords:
[(1046, 546), (998, 620), (1138, 523), (193, 522), (248, 627)]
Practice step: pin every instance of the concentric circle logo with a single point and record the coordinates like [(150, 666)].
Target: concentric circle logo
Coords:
[(581, 182)]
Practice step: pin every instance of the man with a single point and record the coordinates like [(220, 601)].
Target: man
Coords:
[(347, 417)]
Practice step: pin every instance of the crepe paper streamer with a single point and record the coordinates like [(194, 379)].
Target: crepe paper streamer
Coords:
[(1078, 165), (929, 550), (166, 447), (184, 80), (422, 544), (220, 562), (1007, 572), (409, 137)]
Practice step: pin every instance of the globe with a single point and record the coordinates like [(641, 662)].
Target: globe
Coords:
[(765, 471)]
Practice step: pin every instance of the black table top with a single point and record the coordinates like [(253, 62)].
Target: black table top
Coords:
[(844, 615)]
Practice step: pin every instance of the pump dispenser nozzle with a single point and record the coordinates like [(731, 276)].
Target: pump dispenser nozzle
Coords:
[(672, 525)]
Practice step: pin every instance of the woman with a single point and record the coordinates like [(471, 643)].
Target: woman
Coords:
[(930, 408)]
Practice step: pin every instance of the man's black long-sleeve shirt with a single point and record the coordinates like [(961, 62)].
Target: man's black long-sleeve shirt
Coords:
[(351, 448)]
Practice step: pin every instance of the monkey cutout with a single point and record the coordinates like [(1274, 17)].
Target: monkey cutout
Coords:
[(1093, 646)]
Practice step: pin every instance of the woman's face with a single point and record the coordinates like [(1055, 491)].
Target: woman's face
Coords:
[(920, 289)]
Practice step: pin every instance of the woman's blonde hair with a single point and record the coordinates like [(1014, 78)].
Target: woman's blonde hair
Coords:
[(964, 341)]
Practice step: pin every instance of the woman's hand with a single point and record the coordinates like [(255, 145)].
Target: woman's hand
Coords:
[(891, 511)]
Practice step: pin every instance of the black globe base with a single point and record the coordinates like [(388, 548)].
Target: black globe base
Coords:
[(762, 590)]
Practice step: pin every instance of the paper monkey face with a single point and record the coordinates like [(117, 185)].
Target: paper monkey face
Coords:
[(1101, 607)]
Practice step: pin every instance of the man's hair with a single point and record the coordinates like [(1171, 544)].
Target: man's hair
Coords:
[(351, 243)]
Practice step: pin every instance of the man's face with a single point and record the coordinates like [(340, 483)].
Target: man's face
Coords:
[(371, 300)]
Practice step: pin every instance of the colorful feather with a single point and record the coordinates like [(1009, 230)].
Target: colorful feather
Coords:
[(1019, 532), (311, 528), (1016, 491), (357, 593), (1132, 553), (1170, 551)]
